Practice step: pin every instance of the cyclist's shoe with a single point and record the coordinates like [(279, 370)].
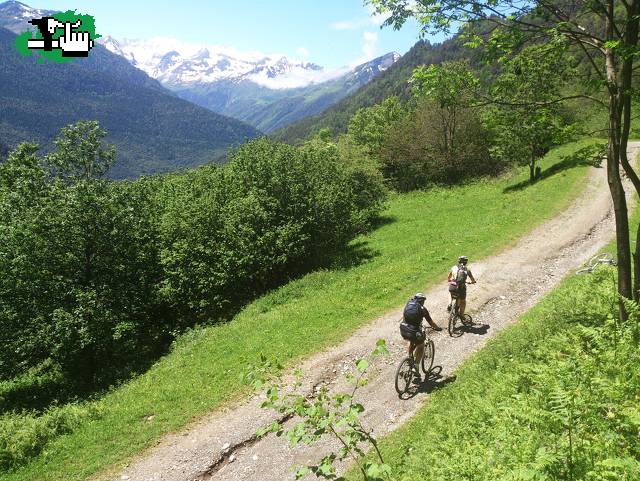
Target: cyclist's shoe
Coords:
[(437, 328), (449, 308), (416, 375)]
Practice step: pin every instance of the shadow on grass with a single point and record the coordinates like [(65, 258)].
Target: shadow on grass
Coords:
[(356, 253), (433, 381), (590, 155)]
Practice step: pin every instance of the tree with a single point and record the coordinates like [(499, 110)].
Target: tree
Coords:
[(451, 86), (369, 126), (605, 32), (524, 121), (81, 153)]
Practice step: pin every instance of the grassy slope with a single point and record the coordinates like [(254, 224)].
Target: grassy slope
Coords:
[(424, 233)]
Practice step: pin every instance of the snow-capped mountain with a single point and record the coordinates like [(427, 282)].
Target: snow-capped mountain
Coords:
[(15, 15), (180, 64), (268, 91)]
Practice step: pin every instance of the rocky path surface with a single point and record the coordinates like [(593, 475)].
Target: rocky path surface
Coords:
[(223, 446)]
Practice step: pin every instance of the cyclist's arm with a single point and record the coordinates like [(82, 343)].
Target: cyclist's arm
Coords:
[(473, 280)]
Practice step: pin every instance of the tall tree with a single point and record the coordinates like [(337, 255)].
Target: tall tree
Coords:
[(606, 34)]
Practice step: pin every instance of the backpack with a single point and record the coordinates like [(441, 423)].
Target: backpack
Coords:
[(461, 276), (412, 313)]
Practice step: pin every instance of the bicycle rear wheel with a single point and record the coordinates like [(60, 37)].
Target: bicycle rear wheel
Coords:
[(404, 375), (467, 320), (454, 327), (427, 358)]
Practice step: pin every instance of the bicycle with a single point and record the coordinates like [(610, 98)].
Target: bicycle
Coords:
[(455, 330), (407, 370), (595, 261)]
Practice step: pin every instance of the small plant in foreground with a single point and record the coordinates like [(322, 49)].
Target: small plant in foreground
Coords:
[(323, 414)]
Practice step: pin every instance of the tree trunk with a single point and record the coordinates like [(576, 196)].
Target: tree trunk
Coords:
[(532, 171), (613, 173), (619, 204), (630, 39)]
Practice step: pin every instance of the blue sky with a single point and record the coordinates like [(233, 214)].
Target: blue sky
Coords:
[(331, 33)]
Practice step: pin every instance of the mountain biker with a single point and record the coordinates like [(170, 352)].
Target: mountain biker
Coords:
[(411, 326), (457, 281)]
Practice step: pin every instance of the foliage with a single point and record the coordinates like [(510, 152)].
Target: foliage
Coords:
[(524, 117), (99, 273), (370, 127), (554, 397), (327, 414), (419, 151), (23, 436)]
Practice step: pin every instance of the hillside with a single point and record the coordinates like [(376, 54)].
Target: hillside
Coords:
[(391, 82), (153, 130), (374, 276)]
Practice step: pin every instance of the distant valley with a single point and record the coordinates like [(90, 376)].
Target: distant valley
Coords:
[(153, 129), (268, 92)]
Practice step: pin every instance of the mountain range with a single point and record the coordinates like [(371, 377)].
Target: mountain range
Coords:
[(266, 91), (393, 81), (153, 129)]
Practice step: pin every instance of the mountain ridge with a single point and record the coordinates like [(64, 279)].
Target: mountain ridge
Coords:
[(153, 129)]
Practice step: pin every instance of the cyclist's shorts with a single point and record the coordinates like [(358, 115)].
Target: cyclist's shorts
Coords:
[(459, 293), (411, 333)]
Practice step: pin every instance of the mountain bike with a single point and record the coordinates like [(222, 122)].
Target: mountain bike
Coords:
[(605, 258), (456, 321), (407, 369)]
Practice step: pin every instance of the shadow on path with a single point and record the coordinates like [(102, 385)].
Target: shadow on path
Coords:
[(432, 382)]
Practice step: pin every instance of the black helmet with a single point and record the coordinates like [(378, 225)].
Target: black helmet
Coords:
[(463, 260), (420, 297)]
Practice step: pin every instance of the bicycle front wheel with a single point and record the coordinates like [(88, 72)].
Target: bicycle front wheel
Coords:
[(404, 375), (427, 358)]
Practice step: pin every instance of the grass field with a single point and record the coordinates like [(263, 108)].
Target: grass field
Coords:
[(420, 236)]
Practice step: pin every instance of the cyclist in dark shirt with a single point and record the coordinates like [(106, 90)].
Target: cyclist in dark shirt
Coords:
[(411, 326)]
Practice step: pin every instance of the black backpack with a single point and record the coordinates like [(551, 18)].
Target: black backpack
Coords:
[(412, 313), (461, 276)]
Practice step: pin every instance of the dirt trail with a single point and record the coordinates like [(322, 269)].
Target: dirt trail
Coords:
[(222, 446)]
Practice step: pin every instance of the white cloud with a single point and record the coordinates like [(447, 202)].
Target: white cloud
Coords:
[(303, 52), (298, 77), (354, 24), (369, 45)]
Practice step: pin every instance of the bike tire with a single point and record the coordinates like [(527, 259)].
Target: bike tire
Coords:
[(453, 327), (429, 354), (404, 375), (467, 320)]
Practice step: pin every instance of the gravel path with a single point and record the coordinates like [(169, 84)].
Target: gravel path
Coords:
[(222, 446)]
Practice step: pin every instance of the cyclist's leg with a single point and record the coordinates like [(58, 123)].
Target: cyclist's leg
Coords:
[(419, 353), (410, 347), (462, 302)]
